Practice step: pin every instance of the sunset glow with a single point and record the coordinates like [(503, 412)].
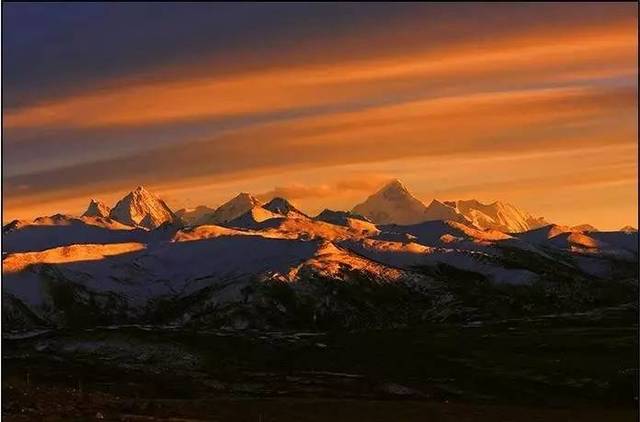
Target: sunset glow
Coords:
[(543, 114)]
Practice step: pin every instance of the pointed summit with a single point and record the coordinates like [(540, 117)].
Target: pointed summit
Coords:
[(142, 208), (392, 204), (395, 184), (97, 209), (232, 209), (283, 207), (395, 189)]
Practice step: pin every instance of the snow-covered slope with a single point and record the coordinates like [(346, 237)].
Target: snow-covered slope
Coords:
[(623, 245), (192, 216), (331, 261), (283, 207), (392, 204), (97, 209), (498, 216), (123, 272), (441, 211), (299, 228), (409, 255), (134, 276), (543, 234), (252, 218), (231, 209), (440, 233), (63, 230), (65, 254), (339, 217), (142, 208), (348, 219), (188, 234), (161, 268)]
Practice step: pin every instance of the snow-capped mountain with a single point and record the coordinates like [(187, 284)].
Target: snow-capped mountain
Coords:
[(498, 216), (224, 273), (192, 215), (441, 211), (283, 207), (142, 208), (97, 209), (231, 209), (394, 204)]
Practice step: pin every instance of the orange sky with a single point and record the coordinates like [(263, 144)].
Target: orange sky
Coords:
[(543, 116)]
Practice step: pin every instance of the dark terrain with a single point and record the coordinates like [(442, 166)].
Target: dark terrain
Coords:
[(580, 366)]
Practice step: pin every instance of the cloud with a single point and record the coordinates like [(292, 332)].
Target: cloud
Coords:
[(163, 41), (449, 126), (440, 84), (610, 48), (349, 186)]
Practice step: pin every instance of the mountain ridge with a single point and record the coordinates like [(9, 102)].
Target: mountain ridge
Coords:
[(394, 204), (233, 271)]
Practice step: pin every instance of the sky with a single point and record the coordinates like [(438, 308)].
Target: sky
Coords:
[(532, 104)]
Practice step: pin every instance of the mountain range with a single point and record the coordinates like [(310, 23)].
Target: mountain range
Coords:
[(391, 260), (139, 208), (392, 204), (395, 204)]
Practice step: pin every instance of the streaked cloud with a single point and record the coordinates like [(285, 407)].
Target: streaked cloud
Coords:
[(434, 90), (290, 88), (355, 185)]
